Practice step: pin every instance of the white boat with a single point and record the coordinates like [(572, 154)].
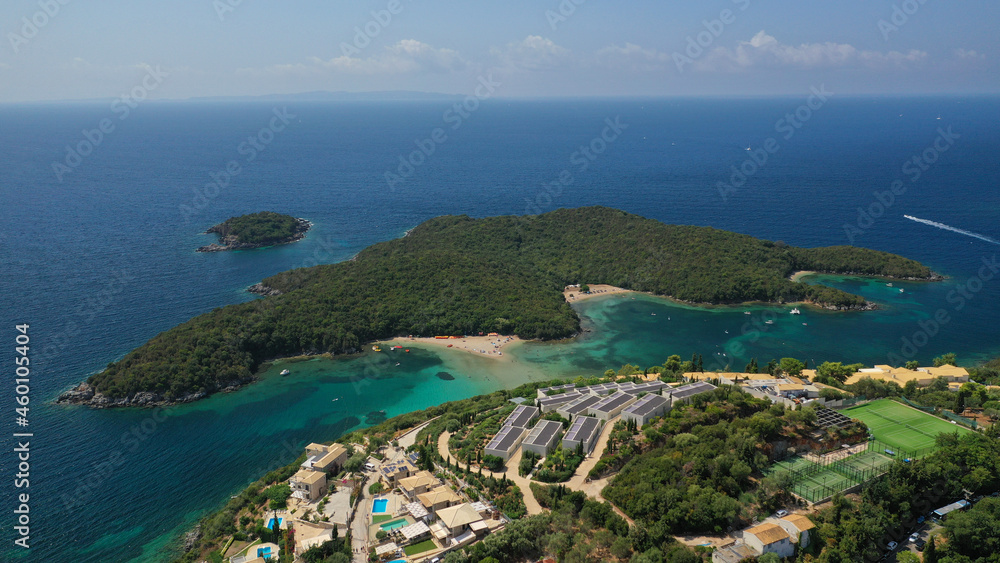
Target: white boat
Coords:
[(285, 372), (769, 322), (795, 311), (748, 146), (746, 312), (888, 285), (901, 290)]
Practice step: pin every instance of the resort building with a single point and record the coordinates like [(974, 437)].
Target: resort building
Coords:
[(769, 538), (798, 527), (543, 437), (611, 406), (685, 393), (505, 443), (521, 417), (441, 497), (549, 404), (418, 483), (640, 388), (328, 459), (310, 534), (602, 389), (578, 407), (392, 473), (733, 554), (308, 485), (922, 376), (546, 391), (457, 519), (584, 431), (645, 409)]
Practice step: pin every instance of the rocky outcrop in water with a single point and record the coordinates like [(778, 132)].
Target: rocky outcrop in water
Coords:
[(261, 289), (86, 394)]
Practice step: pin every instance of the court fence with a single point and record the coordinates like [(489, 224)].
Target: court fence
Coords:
[(916, 406), (844, 473), (960, 419)]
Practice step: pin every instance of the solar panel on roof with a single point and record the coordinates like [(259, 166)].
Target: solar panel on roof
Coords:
[(646, 405), (543, 433), (582, 428)]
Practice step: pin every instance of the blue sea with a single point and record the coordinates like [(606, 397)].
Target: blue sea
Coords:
[(103, 216)]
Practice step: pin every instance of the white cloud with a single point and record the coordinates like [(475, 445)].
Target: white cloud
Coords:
[(632, 57), (409, 55), (966, 55), (764, 50), (532, 53), (406, 56)]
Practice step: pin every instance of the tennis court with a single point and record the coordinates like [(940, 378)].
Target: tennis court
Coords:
[(902, 427)]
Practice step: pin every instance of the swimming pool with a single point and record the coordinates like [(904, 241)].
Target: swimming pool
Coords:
[(398, 561), (395, 524), (380, 505), (264, 552), (270, 523)]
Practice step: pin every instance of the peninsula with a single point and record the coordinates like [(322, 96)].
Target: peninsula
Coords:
[(256, 230), (455, 275)]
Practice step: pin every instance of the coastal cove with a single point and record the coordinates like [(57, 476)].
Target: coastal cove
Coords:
[(245, 433)]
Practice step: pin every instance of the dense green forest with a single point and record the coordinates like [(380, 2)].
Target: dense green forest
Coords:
[(458, 275), (261, 228)]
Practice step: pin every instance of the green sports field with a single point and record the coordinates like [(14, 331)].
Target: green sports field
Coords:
[(815, 482), (901, 427)]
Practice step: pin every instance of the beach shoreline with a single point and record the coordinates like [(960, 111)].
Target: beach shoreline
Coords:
[(797, 276), (572, 293), (490, 347)]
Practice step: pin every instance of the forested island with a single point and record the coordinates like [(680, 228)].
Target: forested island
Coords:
[(256, 230), (459, 275)]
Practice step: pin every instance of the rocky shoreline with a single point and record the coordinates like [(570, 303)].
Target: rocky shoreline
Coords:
[(261, 289), (230, 242), (85, 394)]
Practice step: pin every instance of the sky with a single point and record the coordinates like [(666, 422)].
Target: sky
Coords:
[(177, 49)]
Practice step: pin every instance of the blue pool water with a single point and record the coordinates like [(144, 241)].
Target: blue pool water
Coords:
[(264, 552), (270, 523), (398, 561), (379, 505), (394, 525)]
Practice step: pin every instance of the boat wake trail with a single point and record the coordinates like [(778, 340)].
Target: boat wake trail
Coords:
[(953, 229)]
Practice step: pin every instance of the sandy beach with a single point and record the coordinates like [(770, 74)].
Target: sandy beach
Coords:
[(572, 293), (483, 346), (801, 274)]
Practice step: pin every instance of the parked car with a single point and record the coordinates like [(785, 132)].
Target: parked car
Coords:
[(781, 513), (914, 536), (892, 545), (920, 544), (370, 467)]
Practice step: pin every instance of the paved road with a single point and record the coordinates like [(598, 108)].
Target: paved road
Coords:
[(578, 482), (524, 484)]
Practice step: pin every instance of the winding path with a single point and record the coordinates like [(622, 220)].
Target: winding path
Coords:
[(522, 483)]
